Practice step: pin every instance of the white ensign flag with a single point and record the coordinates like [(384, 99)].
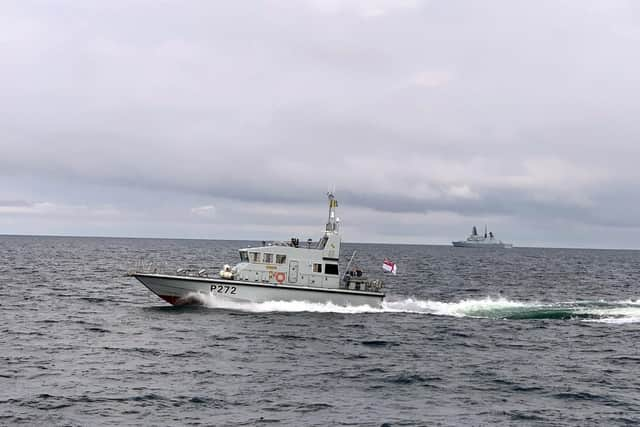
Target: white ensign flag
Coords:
[(389, 266)]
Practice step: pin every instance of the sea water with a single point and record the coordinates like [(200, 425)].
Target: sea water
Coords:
[(465, 337)]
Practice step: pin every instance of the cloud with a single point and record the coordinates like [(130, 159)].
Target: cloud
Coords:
[(431, 79), (20, 207), (462, 192), (364, 8), (443, 112), (208, 211)]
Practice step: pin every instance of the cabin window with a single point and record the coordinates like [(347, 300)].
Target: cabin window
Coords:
[(317, 268), (323, 242), (244, 257), (331, 269), (254, 256), (268, 258), (280, 259)]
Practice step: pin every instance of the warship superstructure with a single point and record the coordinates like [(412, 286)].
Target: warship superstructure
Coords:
[(488, 240)]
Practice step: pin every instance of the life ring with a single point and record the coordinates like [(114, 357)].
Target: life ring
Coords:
[(279, 276)]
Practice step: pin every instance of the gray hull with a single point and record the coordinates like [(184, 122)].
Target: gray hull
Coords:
[(495, 245), (179, 290)]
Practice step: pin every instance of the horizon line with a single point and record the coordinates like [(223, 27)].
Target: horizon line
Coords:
[(267, 240)]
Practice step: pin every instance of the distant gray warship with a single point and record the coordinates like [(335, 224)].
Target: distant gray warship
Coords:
[(477, 241), (279, 271)]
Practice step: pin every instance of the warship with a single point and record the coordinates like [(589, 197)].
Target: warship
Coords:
[(477, 241), (278, 271)]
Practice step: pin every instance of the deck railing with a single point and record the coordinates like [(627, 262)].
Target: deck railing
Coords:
[(162, 267)]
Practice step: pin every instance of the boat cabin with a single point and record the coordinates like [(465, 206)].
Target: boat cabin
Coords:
[(313, 264)]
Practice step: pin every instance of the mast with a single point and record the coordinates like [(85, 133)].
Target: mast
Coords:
[(331, 239), (332, 222)]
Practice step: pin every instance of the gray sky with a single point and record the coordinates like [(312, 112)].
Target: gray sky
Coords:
[(205, 119)]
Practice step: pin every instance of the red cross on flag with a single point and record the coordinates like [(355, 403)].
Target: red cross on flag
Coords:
[(389, 266)]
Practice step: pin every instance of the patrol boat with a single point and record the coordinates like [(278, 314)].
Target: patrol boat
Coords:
[(279, 271), (477, 241)]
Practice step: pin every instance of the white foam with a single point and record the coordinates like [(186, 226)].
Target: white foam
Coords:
[(461, 308), (618, 313), (615, 320), (628, 302), (408, 305), (284, 306)]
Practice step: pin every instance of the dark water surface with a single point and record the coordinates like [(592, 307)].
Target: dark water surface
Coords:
[(467, 337)]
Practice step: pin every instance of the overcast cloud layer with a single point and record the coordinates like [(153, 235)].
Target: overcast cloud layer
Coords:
[(231, 119)]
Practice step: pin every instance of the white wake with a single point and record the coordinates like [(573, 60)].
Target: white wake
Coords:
[(619, 312)]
